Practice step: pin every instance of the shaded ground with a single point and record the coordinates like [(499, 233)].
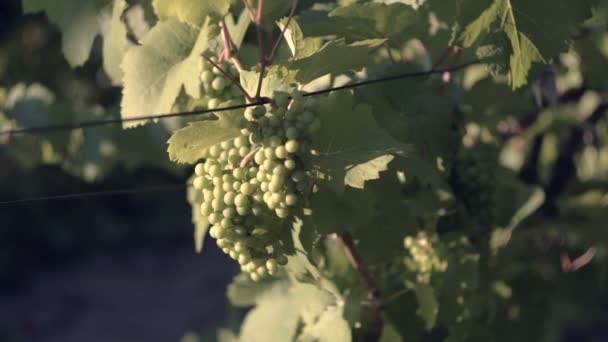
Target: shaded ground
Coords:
[(145, 295)]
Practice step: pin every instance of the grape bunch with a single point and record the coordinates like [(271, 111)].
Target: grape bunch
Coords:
[(423, 258), (473, 179), (217, 88), (261, 173)]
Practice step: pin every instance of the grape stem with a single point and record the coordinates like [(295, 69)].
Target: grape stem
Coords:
[(228, 76), (229, 49), (353, 256)]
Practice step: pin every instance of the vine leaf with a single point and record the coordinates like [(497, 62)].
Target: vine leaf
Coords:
[(201, 225), (115, 42), (295, 303), (362, 21), (187, 144), (349, 149), (277, 78), (299, 46), (192, 12), (239, 28), (331, 59), (529, 41), (357, 175), (427, 304), (78, 20), (329, 327), (155, 72), (333, 213)]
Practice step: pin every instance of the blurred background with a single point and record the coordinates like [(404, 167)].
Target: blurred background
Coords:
[(124, 268), (116, 268)]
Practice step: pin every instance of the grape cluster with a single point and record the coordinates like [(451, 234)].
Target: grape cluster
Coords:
[(258, 174), (423, 259), (217, 88), (473, 179)]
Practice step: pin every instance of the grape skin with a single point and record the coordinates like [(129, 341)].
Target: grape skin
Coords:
[(260, 171)]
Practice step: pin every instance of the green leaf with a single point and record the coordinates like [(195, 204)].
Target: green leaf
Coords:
[(330, 59), (359, 174), (78, 21), (427, 304), (299, 46), (374, 20), (155, 72), (277, 78), (520, 21), (243, 292), (192, 12), (390, 333), (201, 225), (358, 21), (329, 327), (293, 303), (350, 141), (115, 42), (273, 320), (187, 144), (337, 213), (239, 28)]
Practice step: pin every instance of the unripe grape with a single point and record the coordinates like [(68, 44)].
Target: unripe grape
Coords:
[(272, 266), (199, 169), (282, 212), (281, 260), (291, 199), (255, 277), (259, 111), (229, 197), (290, 164), (292, 146), (241, 200), (207, 76), (213, 103)]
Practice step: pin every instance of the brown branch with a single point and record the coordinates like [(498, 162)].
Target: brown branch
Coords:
[(275, 48), (228, 76), (346, 240), (564, 168)]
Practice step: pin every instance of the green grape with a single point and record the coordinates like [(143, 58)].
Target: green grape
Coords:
[(282, 212), (292, 146), (241, 200), (207, 76), (291, 199), (282, 100), (229, 197), (259, 111), (290, 164), (229, 212), (199, 169), (213, 103)]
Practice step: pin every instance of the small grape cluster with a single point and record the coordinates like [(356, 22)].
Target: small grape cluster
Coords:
[(261, 172), (473, 179), (217, 88), (423, 259)]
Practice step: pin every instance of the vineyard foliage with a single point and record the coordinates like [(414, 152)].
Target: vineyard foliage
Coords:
[(451, 203)]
